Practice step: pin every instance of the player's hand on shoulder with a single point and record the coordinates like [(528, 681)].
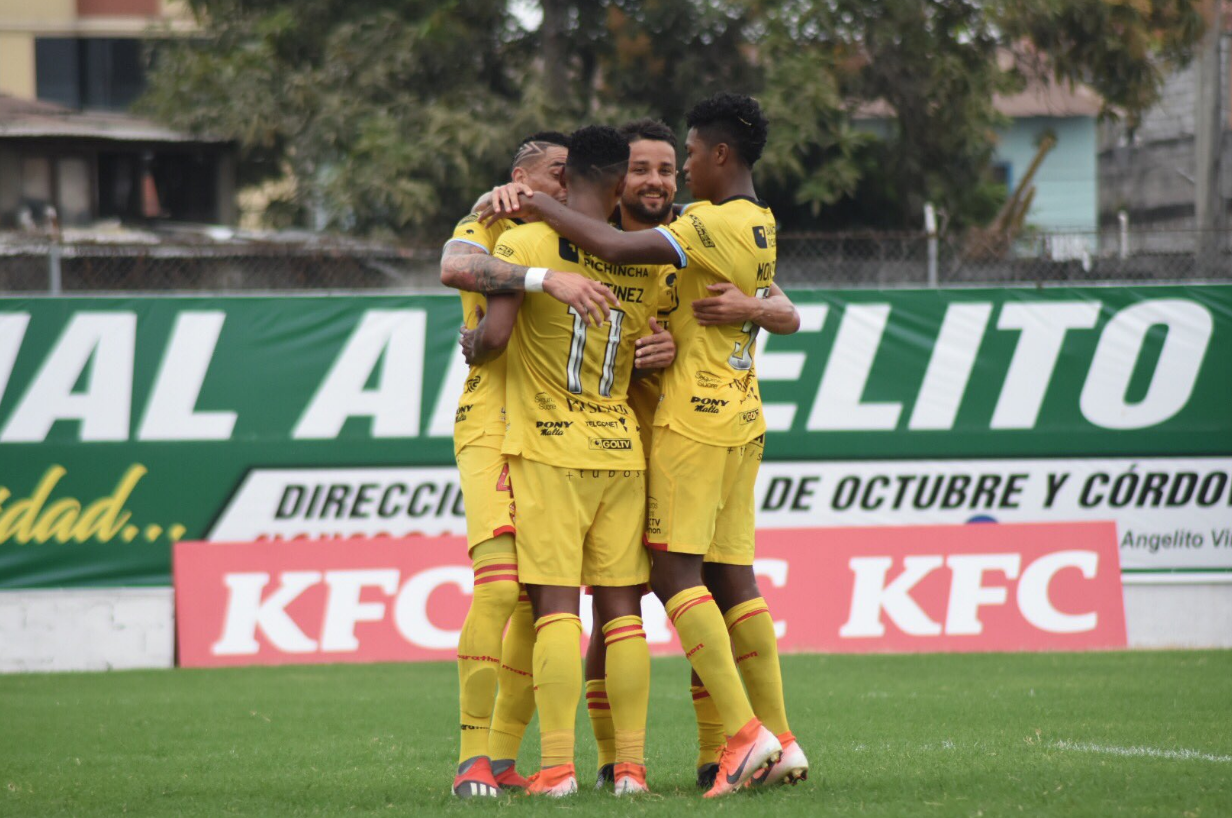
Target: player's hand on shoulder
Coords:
[(728, 305), (656, 350), (506, 201), (590, 298)]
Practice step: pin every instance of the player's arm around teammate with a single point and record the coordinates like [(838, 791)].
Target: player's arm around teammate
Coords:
[(491, 731), (728, 305), (575, 456), (711, 415)]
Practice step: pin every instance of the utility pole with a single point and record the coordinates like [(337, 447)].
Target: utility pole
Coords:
[(1208, 133)]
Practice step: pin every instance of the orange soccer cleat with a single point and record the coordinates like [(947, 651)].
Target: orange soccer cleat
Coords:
[(475, 779), (791, 768), (506, 775), (630, 779), (744, 754), (556, 782)]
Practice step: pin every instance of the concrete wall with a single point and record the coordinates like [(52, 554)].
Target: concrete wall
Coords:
[(123, 628), (1149, 172), (17, 65), (91, 629), (1179, 616)]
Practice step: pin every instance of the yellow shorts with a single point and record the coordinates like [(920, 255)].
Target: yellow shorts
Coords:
[(702, 497), (486, 492), (579, 526)]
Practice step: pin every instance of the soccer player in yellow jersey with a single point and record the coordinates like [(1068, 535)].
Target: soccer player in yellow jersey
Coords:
[(575, 455), (490, 735), (646, 202), (709, 433)]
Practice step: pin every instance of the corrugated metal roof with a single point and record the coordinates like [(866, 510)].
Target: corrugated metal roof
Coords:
[(24, 119)]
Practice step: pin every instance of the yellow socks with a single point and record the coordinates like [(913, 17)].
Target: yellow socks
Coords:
[(600, 712), (757, 657), (710, 736), (515, 698), (558, 684), (628, 689), (706, 645), (479, 645)]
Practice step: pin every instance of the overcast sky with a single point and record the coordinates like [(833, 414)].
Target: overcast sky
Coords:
[(528, 12)]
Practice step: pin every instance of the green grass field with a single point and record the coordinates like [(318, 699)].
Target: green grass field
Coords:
[(983, 735)]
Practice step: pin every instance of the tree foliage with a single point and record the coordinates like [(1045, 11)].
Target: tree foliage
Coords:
[(390, 116)]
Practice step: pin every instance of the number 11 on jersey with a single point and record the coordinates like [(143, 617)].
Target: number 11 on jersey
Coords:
[(577, 353)]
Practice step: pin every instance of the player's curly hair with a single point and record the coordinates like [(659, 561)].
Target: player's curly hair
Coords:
[(735, 119), (647, 128), (597, 153), (532, 147)]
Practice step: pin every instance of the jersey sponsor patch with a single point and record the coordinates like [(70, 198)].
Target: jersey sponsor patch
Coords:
[(611, 444), (703, 235), (708, 406)]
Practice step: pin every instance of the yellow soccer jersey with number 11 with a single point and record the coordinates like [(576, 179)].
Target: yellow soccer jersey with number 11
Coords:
[(567, 384), (710, 392)]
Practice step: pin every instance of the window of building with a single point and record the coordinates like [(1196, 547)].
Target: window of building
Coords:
[(98, 73), (1002, 174), (60, 180)]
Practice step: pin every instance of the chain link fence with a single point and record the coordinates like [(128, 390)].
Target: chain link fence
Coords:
[(916, 259), (90, 267), (34, 266)]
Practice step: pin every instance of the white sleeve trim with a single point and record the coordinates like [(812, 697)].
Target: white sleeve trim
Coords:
[(684, 260), (472, 244)]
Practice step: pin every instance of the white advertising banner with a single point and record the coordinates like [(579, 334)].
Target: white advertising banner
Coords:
[(1173, 514)]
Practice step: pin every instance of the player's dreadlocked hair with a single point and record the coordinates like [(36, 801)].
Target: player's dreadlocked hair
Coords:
[(532, 147), (647, 128), (597, 153), (734, 119)]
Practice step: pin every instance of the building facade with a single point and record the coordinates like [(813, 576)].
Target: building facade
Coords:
[(84, 54), (1149, 172)]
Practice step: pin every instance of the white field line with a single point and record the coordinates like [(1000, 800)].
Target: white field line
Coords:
[(1074, 746), (1142, 752)]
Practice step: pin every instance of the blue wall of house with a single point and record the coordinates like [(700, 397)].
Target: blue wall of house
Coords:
[(1067, 184)]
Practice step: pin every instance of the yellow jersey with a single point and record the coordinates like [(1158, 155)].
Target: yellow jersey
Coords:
[(481, 406), (644, 392), (567, 385), (710, 392)]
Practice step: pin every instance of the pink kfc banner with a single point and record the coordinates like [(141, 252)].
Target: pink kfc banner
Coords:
[(964, 588), (843, 590)]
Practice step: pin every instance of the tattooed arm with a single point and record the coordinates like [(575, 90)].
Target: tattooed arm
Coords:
[(467, 267)]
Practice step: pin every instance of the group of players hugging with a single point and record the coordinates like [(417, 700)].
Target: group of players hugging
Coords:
[(610, 335)]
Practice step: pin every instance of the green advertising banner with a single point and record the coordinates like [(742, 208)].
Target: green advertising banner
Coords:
[(127, 424)]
